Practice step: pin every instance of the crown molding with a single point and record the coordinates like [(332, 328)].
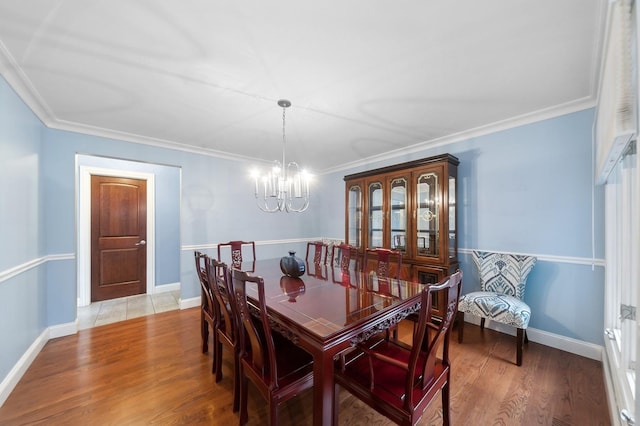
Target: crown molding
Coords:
[(509, 123), (20, 83)]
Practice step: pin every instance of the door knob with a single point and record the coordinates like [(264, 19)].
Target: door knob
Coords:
[(141, 243)]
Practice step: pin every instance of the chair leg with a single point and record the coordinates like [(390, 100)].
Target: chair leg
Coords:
[(244, 393), (519, 344), (446, 409), (218, 360), (273, 413), (336, 403), (215, 349), (236, 382), (460, 320), (391, 333), (526, 338), (482, 323), (204, 331)]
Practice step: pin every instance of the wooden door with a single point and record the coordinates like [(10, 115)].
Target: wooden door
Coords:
[(118, 237)]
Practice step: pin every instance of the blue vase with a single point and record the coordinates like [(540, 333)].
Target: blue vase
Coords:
[(291, 265)]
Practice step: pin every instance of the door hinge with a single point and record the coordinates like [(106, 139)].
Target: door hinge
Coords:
[(627, 312)]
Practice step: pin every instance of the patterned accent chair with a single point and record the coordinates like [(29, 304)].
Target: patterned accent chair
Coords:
[(503, 278)]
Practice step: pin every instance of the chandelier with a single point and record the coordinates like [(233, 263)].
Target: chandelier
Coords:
[(284, 188)]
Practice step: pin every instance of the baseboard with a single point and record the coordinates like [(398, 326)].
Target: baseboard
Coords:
[(190, 303), (18, 370), (567, 344), (61, 330), (166, 288)]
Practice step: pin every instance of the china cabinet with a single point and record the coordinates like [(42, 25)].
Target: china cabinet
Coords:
[(410, 207)]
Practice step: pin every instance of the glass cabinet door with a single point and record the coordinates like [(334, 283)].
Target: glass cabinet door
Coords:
[(376, 215), (398, 210), (354, 216), (427, 215)]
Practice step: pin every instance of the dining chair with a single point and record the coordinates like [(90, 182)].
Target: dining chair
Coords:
[(347, 256), (236, 250), (220, 284), (329, 257), (316, 256), (318, 250), (503, 278), (384, 263), (276, 366), (208, 308), (399, 380), (387, 262)]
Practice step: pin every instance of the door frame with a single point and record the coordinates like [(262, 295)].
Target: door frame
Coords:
[(84, 227)]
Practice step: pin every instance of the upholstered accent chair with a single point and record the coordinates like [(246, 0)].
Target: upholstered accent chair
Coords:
[(503, 278)]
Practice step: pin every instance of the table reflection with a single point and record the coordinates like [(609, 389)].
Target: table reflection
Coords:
[(292, 287)]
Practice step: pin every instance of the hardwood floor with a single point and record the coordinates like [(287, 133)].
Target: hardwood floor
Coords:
[(150, 370)]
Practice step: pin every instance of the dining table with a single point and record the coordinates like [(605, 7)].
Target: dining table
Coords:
[(326, 311)]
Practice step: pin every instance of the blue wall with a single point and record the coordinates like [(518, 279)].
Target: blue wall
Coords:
[(529, 190), (23, 304), (526, 190)]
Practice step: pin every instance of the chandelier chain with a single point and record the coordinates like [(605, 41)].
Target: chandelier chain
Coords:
[(284, 138)]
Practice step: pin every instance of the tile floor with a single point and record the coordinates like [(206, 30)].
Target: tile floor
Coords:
[(108, 311)]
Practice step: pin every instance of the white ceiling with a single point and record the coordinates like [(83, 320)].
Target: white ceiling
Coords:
[(366, 77)]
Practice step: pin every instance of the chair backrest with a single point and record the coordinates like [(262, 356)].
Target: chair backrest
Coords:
[(383, 285), (318, 250), (430, 339), (236, 248), (208, 299), (256, 346), (220, 285), (502, 272), (386, 261), (331, 252), (347, 255)]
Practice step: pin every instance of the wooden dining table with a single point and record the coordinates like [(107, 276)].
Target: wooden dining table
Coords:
[(326, 311)]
